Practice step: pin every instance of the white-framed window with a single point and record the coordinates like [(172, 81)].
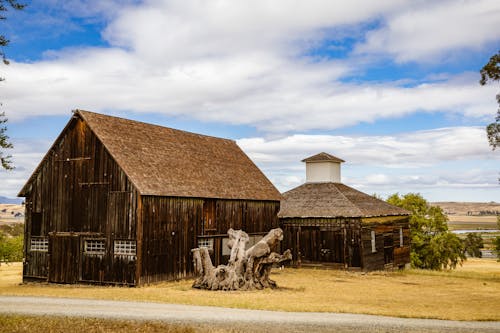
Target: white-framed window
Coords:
[(374, 244), (206, 242), (400, 237), (125, 248), (40, 244), (94, 247)]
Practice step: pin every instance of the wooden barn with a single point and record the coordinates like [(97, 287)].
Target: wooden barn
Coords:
[(124, 202), (328, 223)]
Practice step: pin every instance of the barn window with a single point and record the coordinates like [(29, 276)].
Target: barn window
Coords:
[(125, 248), (374, 247), (400, 237), (206, 242), (40, 244), (94, 247)]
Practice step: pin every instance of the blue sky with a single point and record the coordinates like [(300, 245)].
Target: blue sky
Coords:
[(389, 86)]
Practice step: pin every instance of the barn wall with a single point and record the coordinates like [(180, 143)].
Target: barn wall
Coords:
[(389, 252), (169, 231), (254, 217), (80, 189), (347, 242), (330, 241)]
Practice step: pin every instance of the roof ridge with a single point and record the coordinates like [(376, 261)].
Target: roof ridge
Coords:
[(150, 124), (349, 200)]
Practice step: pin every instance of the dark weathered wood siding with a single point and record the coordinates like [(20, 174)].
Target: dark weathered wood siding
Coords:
[(81, 195), (386, 255), (170, 228), (347, 242), (254, 217), (79, 188)]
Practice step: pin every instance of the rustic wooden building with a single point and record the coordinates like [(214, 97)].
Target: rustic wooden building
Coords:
[(124, 202), (329, 223)]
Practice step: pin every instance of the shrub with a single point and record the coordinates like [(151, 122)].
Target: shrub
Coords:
[(432, 245), (496, 246), (11, 248), (473, 244)]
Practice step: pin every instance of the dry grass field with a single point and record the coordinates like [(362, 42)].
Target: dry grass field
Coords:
[(25, 324), (471, 292), (462, 208), (10, 213)]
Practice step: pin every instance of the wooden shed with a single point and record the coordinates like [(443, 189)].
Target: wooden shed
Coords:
[(124, 202), (328, 223)]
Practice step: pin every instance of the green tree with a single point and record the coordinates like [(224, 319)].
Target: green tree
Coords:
[(432, 245), (491, 72), (496, 246), (5, 160), (473, 244), (11, 248)]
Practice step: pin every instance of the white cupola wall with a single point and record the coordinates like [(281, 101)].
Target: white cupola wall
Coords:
[(323, 168)]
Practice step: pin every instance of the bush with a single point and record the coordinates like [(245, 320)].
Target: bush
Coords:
[(496, 246), (11, 248), (473, 244), (432, 245)]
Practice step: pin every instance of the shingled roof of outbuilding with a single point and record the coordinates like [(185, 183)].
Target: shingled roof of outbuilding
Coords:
[(323, 157), (328, 200), (162, 161)]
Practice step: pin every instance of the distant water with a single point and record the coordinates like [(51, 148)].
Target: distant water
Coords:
[(469, 231)]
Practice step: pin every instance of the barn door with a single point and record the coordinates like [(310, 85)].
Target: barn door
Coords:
[(64, 258)]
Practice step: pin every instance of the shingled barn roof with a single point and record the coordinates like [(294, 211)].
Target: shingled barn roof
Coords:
[(163, 161), (327, 200)]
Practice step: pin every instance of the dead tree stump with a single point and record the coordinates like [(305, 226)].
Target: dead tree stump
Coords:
[(246, 269)]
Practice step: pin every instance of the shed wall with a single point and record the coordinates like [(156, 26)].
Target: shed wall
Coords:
[(347, 242)]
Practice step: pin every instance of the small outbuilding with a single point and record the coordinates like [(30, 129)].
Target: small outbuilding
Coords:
[(124, 202), (329, 223)]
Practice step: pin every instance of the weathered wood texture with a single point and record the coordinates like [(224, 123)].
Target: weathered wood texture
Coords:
[(79, 188), (256, 216), (170, 227), (347, 242)]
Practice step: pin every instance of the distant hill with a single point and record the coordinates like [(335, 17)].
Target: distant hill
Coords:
[(469, 208), (15, 201)]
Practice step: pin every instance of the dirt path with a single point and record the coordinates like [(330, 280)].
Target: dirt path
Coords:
[(239, 319)]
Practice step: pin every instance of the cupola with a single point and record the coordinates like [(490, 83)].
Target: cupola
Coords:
[(323, 168)]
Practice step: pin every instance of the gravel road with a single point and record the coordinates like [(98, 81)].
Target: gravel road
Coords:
[(239, 319)]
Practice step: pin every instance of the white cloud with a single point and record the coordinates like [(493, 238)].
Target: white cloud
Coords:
[(431, 162), (413, 149), (264, 91), (235, 63), (26, 156), (434, 29), (423, 161)]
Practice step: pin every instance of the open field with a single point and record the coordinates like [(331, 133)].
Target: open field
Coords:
[(471, 292), (10, 213), (462, 208), (460, 222)]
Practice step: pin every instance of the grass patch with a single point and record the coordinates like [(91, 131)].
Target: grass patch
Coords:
[(30, 324), (471, 292)]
